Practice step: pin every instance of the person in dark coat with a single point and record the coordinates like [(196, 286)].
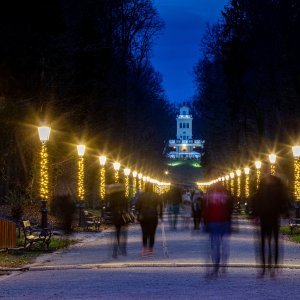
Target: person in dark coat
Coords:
[(118, 206), (270, 202), (174, 199), (196, 208), (149, 208)]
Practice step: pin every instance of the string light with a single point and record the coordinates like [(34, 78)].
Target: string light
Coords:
[(296, 154), (127, 173), (102, 161), (81, 191), (247, 182), (44, 180), (232, 183), (258, 172), (238, 191), (134, 183), (140, 177), (272, 159), (117, 168)]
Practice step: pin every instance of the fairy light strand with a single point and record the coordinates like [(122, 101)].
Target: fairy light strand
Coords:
[(81, 190), (44, 179)]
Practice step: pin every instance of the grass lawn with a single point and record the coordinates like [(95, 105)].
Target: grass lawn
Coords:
[(18, 258), (295, 237)]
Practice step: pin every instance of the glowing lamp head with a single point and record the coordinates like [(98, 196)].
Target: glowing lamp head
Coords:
[(134, 174), (227, 177), (258, 164), (102, 160), (272, 158), (144, 178), (166, 172), (223, 178), (44, 133), (296, 151), (80, 150), (140, 176), (127, 171), (231, 175), (116, 166), (238, 173), (247, 171)]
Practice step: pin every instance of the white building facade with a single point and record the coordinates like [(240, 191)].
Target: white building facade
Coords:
[(183, 147)]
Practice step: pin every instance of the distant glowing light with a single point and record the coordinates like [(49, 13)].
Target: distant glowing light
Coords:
[(44, 133), (102, 160), (258, 164), (80, 150)]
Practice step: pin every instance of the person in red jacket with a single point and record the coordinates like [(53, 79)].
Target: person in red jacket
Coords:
[(217, 210)]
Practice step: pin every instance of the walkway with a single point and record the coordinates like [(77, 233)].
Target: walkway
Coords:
[(87, 270)]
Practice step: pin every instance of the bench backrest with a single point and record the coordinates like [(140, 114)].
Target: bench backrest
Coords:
[(8, 236), (26, 224)]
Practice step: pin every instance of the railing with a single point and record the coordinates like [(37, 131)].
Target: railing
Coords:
[(7, 234), (184, 117), (197, 142)]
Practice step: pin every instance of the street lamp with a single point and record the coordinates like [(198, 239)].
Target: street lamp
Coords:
[(272, 159), (140, 176), (144, 182), (227, 181), (238, 191), (44, 135), (231, 174), (296, 154), (102, 161), (258, 172), (134, 175), (247, 182), (127, 173), (80, 182), (117, 167)]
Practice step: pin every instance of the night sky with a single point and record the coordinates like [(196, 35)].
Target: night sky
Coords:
[(177, 49)]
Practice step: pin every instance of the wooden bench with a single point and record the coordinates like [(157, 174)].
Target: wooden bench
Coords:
[(294, 223), (7, 234), (33, 235), (91, 222)]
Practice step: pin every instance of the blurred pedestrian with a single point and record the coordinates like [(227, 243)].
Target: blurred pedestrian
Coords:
[(270, 202), (196, 208), (149, 209), (119, 209), (174, 199), (186, 210), (217, 210)]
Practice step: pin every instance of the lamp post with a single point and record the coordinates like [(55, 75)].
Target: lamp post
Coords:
[(296, 154), (80, 181), (144, 182), (140, 177), (258, 172), (134, 175), (117, 167), (44, 135), (127, 173), (231, 183), (238, 183), (247, 182), (102, 160), (227, 182), (272, 159)]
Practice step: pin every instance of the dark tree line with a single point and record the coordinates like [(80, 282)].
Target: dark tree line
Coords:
[(84, 68), (249, 81)]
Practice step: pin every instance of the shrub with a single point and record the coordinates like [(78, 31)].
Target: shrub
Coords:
[(17, 202)]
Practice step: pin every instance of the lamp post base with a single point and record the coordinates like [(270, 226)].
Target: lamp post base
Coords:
[(44, 213)]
